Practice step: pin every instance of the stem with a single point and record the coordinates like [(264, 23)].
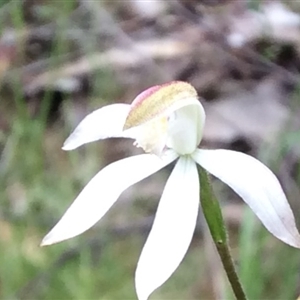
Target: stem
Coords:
[(213, 215)]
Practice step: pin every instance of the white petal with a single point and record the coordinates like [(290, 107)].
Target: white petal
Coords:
[(102, 192), (172, 229), (258, 187), (105, 122)]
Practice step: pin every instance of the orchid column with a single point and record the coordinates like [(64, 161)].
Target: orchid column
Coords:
[(167, 122)]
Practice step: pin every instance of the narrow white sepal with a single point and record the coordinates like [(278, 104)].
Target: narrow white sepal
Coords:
[(172, 230), (257, 186), (102, 192), (102, 123)]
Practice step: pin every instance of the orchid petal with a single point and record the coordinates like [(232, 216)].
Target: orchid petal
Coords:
[(105, 122), (172, 229), (102, 192), (159, 100), (258, 187)]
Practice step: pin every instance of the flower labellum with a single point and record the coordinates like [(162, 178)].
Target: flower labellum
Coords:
[(167, 122)]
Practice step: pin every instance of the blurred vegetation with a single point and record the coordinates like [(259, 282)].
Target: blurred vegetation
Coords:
[(38, 180)]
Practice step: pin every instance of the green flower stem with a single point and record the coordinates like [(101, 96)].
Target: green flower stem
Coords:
[(213, 215)]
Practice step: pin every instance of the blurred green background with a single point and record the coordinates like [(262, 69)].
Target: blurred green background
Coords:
[(59, 60)]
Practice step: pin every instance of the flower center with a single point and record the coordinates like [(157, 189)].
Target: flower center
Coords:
[(166, 116), (180, 131), (152, 136), (184, 133)]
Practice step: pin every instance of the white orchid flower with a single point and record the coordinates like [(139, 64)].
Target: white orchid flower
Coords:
[(167, 121)]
